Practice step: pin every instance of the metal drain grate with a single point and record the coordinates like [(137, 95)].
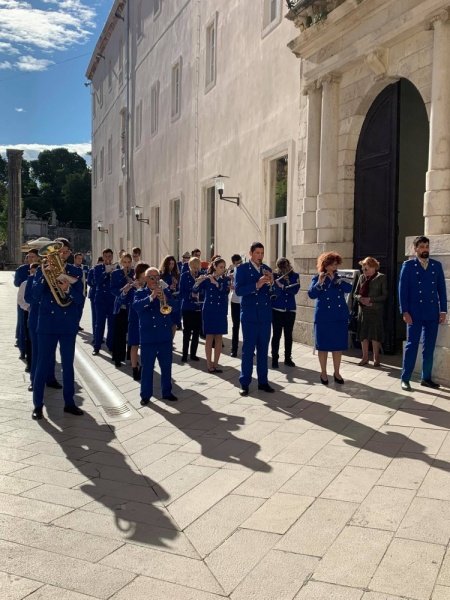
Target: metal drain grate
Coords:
[(116, 411)]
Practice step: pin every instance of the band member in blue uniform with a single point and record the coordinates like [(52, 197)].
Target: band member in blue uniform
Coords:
[(423, 304), (104, 302), (57, 324), (284, 310), (235, 305), (121, 282), (20, 276), (215, 310), (254, 283), (133, 318), (91, 293), (168, 270), (78, 262), (331, 313), (191, 306), (183, 264), (155, 329)]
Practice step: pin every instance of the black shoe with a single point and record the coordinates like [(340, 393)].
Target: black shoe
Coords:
[(37, 415), (95, 352), (179, 329), (337, 380), (170, 398), (54, 384), (117, 364), (265, 387), (22, 356), (430, 383), (73, 410), (244, 391), (275, 364), (406, 386), (145, 401), (30, 387), (289, 362), (195, 358), (184, 359), (136, 374), (27, 369), (323, 381), (80, 328), (233, 353)]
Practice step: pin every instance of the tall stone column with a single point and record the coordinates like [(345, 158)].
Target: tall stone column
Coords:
[(437, 195), (312, 170), (14, 206), (329, 216)]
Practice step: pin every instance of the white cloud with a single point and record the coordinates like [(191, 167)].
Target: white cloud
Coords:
[(31, 151), (19, 109), (24, 28), (5, 65)]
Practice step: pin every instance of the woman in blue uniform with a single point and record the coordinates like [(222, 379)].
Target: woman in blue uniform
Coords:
[(215, 310), (121, 282), (168, 270), (284, 311), (331, 313), (133, 318)]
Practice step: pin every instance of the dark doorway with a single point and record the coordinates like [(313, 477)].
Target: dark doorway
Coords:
[(390, 169)]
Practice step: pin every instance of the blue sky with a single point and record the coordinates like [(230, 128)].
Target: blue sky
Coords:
[(43, 103)]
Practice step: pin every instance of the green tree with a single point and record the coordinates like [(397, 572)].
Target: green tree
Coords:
[(3, 198), (77, 198)]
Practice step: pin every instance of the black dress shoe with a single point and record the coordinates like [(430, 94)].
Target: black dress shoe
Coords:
[(323, 381), (27, 369), (73, 410), (195, 358), (430, 384), (289, 362), (233, 354), (170, 398), (30, 387), (22, 356), (145, 401), (337, 380), (80, 328), (37, 415), (183, 359), (265, 387), (95, 352), (244, 391), (274, 364), (117, 364), (54, 384)]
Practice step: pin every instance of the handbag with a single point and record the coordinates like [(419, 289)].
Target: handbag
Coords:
[(353, 319)]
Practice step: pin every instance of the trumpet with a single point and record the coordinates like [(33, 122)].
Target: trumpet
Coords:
[(164, 309), (265, 273)]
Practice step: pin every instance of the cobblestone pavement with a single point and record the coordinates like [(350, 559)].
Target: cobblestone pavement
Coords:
[(312, 493)]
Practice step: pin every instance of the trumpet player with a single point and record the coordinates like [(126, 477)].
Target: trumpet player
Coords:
[(254, 283), (284, 310), (133, 319), (235, 304), (104, 302), (155, 330), (57, 324), (121, 283), (191, 306)]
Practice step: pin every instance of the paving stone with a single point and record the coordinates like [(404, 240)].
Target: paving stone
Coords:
[(62, 450), (43, 475), (161, 590), (183, 480), (162, 565), (50, 592), (58, 495), (427, 520), (375, 455), (310, 481), (278, 513), (292, 570), (395, 575), (61, 571), (352, 484), (14, 485), (35, 510), (436, 483), (13, 587), (441, 593), (318, 527), (105, 487), (381, 596), (383, 508), (430, 440), (315, 590), (406, 471), (362, 548), (333, 456), (305, 447), (266, 484), (444, 573)]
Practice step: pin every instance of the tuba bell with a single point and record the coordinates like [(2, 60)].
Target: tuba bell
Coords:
[(52, 267)]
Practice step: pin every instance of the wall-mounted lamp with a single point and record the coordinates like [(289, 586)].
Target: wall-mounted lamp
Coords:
[(137, 213), (87, 83), (100, 55), (220, 186), (119, 16), (100, 227)]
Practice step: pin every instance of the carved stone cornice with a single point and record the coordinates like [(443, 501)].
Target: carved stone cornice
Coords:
[(442, 15), (310, 88), (377, 62), (329, 78)]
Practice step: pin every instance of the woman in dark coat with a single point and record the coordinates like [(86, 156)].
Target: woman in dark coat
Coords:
[(371, 293), (331, 313)]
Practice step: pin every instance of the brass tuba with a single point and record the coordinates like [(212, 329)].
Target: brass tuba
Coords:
[(52, 267)]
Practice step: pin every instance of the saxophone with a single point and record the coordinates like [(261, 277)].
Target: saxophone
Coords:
[(52, 267)]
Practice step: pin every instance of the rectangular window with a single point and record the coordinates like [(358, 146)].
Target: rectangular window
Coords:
[(139, 23), (110, 154), (138, 123), (100, 94), (123, 139), (109, 75), (154, 100), (121, 61), (176, 90), (175, 234), (278, 187), (210, 221), (271, 15), (154, 220), (102, 162), (94, 103), (94, 171), (156, 8), (211, 43), (120, 199)]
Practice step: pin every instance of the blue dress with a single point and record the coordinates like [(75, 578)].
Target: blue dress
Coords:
[(331, 313), (215, 306)]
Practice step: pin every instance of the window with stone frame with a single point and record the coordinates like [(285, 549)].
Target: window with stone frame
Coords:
[(271, 15), (278, 194)]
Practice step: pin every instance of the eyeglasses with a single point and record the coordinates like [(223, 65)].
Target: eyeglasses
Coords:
[(152, 277)]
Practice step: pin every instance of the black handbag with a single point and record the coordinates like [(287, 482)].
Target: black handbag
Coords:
[(353, 319)]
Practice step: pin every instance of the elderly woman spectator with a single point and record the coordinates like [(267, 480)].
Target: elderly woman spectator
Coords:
[(331, 313), (371, 292)]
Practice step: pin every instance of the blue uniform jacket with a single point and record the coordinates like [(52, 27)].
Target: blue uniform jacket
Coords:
[(53, 318), (422, 292), (187, 283), (21, 274), (330, 299), (91, 283), (216, 297), (256, 306), (34, 304), (154, 327), (102, 280), (286, 300), (118, 281)]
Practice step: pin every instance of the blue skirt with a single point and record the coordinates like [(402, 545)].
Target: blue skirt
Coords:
[(214, 323), (331, 336)]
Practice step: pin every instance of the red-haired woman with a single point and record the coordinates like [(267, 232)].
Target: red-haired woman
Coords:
[(331, 313)]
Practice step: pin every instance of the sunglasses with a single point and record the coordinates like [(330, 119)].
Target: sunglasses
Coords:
[(152, 277)]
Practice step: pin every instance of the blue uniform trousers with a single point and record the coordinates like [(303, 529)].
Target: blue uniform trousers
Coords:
[(102, 313), (93, 316), (47, 347), (414, 332), (149, 353), (20, 331), (80, 310), (34, 356), (255, 335)]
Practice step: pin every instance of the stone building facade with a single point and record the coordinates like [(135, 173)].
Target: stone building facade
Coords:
[(374, 140)]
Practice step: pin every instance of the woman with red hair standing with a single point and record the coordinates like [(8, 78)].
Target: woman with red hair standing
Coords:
[(331, 313)]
